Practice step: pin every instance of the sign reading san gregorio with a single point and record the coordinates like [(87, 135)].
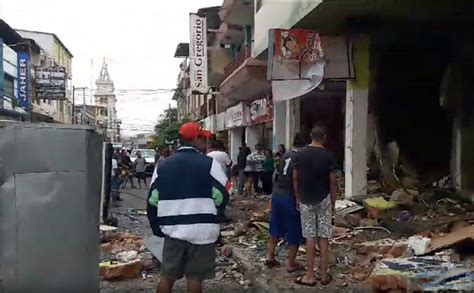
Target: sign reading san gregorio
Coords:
[(51, 83), (236, 116), (198, 53)]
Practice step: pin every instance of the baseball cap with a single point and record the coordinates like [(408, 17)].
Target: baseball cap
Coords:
[(192, 130)]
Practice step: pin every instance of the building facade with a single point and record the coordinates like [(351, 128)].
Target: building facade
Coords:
[(382, 84), (105, 102), (54, 54)]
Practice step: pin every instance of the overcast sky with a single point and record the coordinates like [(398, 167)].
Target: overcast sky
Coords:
[(138, 38)]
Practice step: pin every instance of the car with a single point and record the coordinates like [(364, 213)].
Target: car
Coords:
[(149, 156)]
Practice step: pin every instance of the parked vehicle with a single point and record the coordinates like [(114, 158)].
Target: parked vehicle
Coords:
[(149, 156)]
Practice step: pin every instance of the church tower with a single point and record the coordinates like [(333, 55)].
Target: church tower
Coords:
[(105, 102)]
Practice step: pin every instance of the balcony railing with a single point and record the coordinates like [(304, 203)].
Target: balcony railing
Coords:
[(244, 53)]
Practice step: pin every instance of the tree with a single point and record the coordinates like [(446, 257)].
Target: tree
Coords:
[(167, 128)]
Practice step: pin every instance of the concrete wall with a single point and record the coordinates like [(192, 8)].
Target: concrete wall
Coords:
[(278, 14)]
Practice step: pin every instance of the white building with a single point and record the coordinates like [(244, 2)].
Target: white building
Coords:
[(105, 102)]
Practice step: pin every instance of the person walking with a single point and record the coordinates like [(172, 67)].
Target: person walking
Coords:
[(315, 185), (244, 151), (140, 167), (256, 160), (285, 218), (268, 170), (182, 208), (126, 163)]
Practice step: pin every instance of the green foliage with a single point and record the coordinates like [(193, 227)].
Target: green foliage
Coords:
[(167, 128)]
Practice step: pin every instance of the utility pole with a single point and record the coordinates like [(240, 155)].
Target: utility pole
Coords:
[(73, 105), (83, 112)]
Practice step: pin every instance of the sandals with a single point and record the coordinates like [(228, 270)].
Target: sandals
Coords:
[(300, 282), (272, 263), (297, 269)]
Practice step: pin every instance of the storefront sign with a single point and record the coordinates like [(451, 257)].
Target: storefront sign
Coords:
[(198, 53), (261, 111), (220, 121), (297, 44), (51, 83), (23, 80), (236, 116)]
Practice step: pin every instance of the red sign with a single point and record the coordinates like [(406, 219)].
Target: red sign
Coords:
[(261, 111), (299, 45)]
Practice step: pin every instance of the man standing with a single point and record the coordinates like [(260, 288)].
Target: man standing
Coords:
[(316, 189), (216, 151), (285, 218), (126, 162), (140, 167), (256, 160), (188, 188), (244, 151)]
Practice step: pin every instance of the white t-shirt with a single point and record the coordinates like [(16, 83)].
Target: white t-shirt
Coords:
[(114, 166), (222, 158)]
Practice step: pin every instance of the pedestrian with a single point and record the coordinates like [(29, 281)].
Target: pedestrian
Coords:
[(184, 197), (115, 180), (256, 159), (157, 156), (140, 167), (126, 163), (315, 183), (268, 169), (216, 151), (285, 218), (244, 151)]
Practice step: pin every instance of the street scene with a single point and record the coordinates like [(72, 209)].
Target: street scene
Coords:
[(236, 146)]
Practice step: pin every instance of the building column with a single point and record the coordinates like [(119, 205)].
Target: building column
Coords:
[(357, 98), (279, 124), (252, 136), (292, 120), (235, 142)]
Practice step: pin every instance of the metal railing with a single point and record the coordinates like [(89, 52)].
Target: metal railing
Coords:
[(244, 53)]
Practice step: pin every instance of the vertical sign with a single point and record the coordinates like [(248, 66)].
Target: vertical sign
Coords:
[(23, 95), (198, 53), (2, 75)]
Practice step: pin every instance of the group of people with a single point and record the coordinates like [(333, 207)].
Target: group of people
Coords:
[(255, 170), (191, 189)]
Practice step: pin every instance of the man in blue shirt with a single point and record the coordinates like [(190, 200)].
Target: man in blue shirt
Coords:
[(183, 202)]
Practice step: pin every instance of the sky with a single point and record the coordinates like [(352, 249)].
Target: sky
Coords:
[(138, 39)]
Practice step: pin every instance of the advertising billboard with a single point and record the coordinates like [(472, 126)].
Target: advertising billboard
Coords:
[(51, 83), (198, 53), (23, 94)]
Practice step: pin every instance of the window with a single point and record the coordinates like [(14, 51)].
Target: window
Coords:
[(9, 86)]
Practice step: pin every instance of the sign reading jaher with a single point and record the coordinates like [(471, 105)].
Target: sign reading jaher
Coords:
[(198, 53), (23, 80)]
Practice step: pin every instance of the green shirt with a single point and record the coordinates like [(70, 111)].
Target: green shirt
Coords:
[(268, 165)]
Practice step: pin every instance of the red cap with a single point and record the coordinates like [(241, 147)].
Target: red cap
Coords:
[(192, 130)]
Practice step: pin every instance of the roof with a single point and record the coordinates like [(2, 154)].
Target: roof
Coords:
[(51, 34), (182, 50), (9, 35)]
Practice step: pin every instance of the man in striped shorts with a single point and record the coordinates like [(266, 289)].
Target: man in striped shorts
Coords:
[(186, 193)]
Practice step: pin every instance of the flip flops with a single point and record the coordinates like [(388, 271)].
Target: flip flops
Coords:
[(297, 269), (300, 282)]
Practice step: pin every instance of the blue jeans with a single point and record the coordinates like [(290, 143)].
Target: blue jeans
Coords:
[(115, 186)]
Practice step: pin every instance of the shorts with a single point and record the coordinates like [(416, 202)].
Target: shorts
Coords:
[(285, 220), (316, 219), (140, 175), (249, 174), (181, 258)]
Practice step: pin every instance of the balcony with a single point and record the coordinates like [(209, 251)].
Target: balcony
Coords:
[(244, 53), (245, 79)]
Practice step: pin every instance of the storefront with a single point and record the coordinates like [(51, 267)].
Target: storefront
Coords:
[(236, 120), (261, 122)]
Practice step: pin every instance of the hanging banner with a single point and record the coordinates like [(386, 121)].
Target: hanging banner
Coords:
[(296, 62), (51, 83), (23, 94), (261, 111), (198, 53)]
